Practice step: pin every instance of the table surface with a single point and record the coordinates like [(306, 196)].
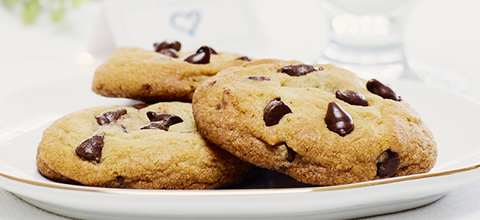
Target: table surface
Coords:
[(443, 34)]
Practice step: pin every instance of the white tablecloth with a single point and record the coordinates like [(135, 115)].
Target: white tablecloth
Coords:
[(441, 33)]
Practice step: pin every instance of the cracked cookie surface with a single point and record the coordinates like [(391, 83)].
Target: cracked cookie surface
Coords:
[(155, 147), (320, 124)]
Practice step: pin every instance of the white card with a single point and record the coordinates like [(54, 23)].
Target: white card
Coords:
[(225, 25)]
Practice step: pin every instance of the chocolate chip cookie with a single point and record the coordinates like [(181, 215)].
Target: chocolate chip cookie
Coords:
[(162, 74), (320, 124), (155, 147)]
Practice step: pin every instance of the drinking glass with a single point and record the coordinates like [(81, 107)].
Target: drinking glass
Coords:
[(367, 37)]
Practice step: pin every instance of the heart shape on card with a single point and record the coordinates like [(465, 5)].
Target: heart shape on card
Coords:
[(186, 22)]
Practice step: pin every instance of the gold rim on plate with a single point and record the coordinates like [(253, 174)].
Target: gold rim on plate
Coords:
[(236, 192)]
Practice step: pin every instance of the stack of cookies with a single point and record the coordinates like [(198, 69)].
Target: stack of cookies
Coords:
[(215, 119)]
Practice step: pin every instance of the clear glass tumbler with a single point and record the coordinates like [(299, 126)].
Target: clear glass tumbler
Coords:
[(366, 37)]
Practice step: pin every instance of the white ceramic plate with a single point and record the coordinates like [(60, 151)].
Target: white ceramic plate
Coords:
[(25, 114)]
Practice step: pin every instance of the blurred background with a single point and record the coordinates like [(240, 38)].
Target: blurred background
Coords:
[(64, 38)]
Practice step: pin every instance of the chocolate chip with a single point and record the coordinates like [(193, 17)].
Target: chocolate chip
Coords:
[(221, 105), (161, 121), (167, 44), (290, 154), (155, 116), (212, 83), (169, 52), (352, 97), (110, 116), (141, 105), (387, 164), (146, 87), (338, 120), (162, 125), (275, 111), (244, 58), (212, 50), (201, 57), (384, 91), (120, 180), (286, 152), (91, 148), (259, 78), (299, 69)]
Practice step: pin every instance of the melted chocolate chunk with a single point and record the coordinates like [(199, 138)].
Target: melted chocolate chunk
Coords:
[(259, 78), (338, 120), (290, 154), (162, 125), (169, 52), (299, 69), (244, 58), (141, 105), (146, 87), (120, 180), (387, 164), (155, 116), (202, 56), (161, 121), (167, 44), (110, 116), (212, 83), (275, 111), (91, 148), (352, 97), (212, 50), (384, 91)]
